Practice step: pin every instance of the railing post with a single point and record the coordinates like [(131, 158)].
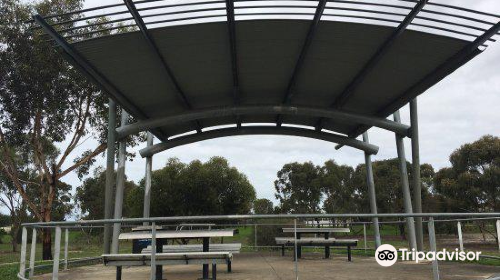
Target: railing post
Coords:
[(295, 249), (57, 252), (364, 235), (498, 233), (22, 262), (153, 251), (460, 238), (33, 253), (66, 241), (432, 243), (255, 236)]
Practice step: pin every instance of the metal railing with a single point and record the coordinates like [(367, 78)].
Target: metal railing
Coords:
[(174, 221)]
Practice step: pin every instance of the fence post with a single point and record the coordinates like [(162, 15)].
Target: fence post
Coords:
[(33, 253), (153, 251), (498, 233), (460, 237), (432, 241), (66, 241), (22, 262), (364, 235), (255, 236), (57, 252)]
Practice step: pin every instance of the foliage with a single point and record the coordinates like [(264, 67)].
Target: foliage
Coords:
[(197, 188), (43, 100), (339, 190), (471, 184), (90, 195), (298, 188), (263, 206)]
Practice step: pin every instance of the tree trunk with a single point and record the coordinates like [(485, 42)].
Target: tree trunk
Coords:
[(13, 233), (402, 231), (47, 244)]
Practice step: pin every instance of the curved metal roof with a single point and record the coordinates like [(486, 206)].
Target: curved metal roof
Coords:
[(360, 57)]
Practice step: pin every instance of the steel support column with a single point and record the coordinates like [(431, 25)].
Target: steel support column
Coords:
[(417, 184), (120, 185), (410, 222), (371, 192), (110, 174), (147, 181)]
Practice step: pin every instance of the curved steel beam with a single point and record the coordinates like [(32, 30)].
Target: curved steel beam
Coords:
[(145, 125), (259, 130)]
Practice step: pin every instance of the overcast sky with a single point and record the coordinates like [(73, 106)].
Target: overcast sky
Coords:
[(460, 109)]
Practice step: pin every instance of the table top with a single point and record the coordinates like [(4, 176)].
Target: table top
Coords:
[(177, 234), (317, 230)]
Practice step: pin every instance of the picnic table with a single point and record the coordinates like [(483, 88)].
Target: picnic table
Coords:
[(163, 235), (327, 242)]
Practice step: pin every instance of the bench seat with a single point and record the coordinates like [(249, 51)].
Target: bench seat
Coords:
[(207, 258), (167, 258), (316, 241), (227, 247)]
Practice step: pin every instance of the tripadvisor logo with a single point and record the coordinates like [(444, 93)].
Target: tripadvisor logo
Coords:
[(386, 255)]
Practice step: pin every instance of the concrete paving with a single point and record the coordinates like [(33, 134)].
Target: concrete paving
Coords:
[(271, 266)]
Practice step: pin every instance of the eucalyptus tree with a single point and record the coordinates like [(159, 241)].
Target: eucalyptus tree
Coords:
[(43, 98)]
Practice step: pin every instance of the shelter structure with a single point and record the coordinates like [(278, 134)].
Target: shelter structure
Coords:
[(329, 69)]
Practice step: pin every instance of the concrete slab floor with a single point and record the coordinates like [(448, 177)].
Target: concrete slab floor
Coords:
[(271, 266)]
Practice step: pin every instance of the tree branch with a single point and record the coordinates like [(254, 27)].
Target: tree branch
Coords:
[(10, 170), (96, 152)]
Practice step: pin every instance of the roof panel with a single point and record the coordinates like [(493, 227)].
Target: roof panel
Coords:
[(199, 57)]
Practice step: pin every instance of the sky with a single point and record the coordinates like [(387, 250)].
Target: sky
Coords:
[(460, 109)]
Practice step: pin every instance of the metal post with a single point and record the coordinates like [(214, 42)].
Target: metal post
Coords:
[(417, 184), (120, 185), (295, 249), (22, 262), (255, 236), (405, 186), (364, 235), (371, 192), (33, 253), (57, 252), (432, 243), (498, 233), (147, 181), (153, 251), (66, 243), (460, 238), (110, 174)]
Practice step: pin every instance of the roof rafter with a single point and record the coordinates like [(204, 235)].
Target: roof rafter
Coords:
[(344, 96), (149, 39), (231, 26), (303, 53), (76, 59)]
